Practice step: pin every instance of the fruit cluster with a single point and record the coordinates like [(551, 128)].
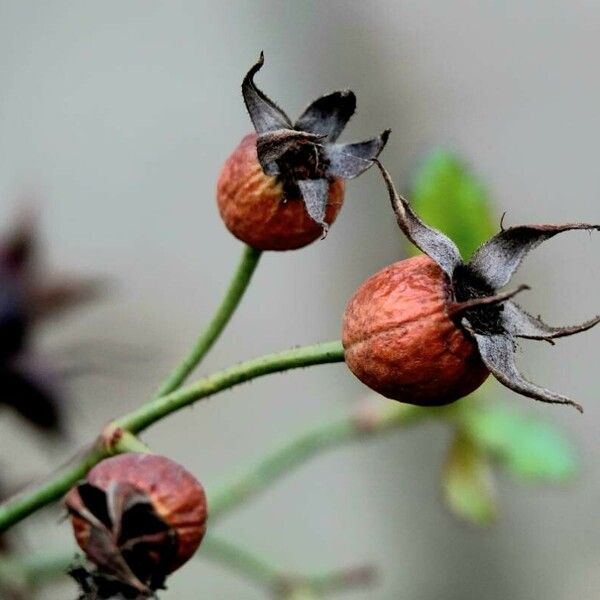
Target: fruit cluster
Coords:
[(426, 331)]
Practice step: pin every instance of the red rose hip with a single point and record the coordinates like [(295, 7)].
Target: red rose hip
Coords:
[(400, 341)]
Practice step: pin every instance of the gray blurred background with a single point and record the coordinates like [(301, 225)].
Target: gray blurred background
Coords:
[(117, 116)]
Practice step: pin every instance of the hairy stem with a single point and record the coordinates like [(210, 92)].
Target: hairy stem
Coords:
[(238, 285), (18, 507), (367, 421), (159, 408)]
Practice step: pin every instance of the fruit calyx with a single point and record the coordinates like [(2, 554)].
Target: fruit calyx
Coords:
[(491, 318), (125, 532), (303, 155)]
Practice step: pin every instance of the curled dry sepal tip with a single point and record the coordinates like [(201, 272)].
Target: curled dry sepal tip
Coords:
[(283, 186), (428, 330), (138, 518)]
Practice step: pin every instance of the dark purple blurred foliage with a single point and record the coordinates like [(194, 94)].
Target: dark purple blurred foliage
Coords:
[(29, 384)]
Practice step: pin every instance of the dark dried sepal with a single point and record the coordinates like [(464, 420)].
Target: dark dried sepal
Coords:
[(103, 515), (497, 259), (271, 146), (520, 323), (264, 113), (456, 309), (328, 115), (128, 541), (351, 160), (94, 585), (498, 355), (429, 240), (315, 193)]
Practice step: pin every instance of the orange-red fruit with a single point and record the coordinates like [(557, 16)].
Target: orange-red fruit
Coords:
[(253, 208), (177, 498), (400, 341)]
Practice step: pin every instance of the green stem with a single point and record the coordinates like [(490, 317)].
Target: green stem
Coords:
[(246, 563), (17, 508), (238, 285), (159, 408), (361, 424), (355, 426), (129, 443), (32, 573)]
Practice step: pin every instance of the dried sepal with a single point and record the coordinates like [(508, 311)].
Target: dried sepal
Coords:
[(96, 509), (520, 323), (430, 241), (273, 145), (456, 309), (498, 354), (138, 517), (315, 193), (264, 113), (351, 160), (304, 151), (328, 115), (497, 260), (490, 317), (95, 586)]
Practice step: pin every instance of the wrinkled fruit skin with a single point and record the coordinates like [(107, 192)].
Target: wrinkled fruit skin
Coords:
[(178, 499), (400, 341), (253, 207)]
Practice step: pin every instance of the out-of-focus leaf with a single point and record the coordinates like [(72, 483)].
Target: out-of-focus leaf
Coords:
[(302, 594), (448, 196), (528, 447), (468, 482)]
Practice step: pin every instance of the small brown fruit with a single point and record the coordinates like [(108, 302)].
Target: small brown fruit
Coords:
[(401, 342), (429, 330), (253, 207), (137, 517), (282, 187)]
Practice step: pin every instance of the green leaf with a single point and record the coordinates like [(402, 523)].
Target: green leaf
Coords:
[(302, 594), (528, 447), (448, 196), (468, 483)]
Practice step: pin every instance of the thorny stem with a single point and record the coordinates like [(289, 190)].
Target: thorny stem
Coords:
[(366, 422), (159, 408), (238, 285), (17, 508)]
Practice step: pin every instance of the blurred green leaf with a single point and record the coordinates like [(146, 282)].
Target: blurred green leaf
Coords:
[(528, 447), (468, 482), (302, 594), (448, 196)]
